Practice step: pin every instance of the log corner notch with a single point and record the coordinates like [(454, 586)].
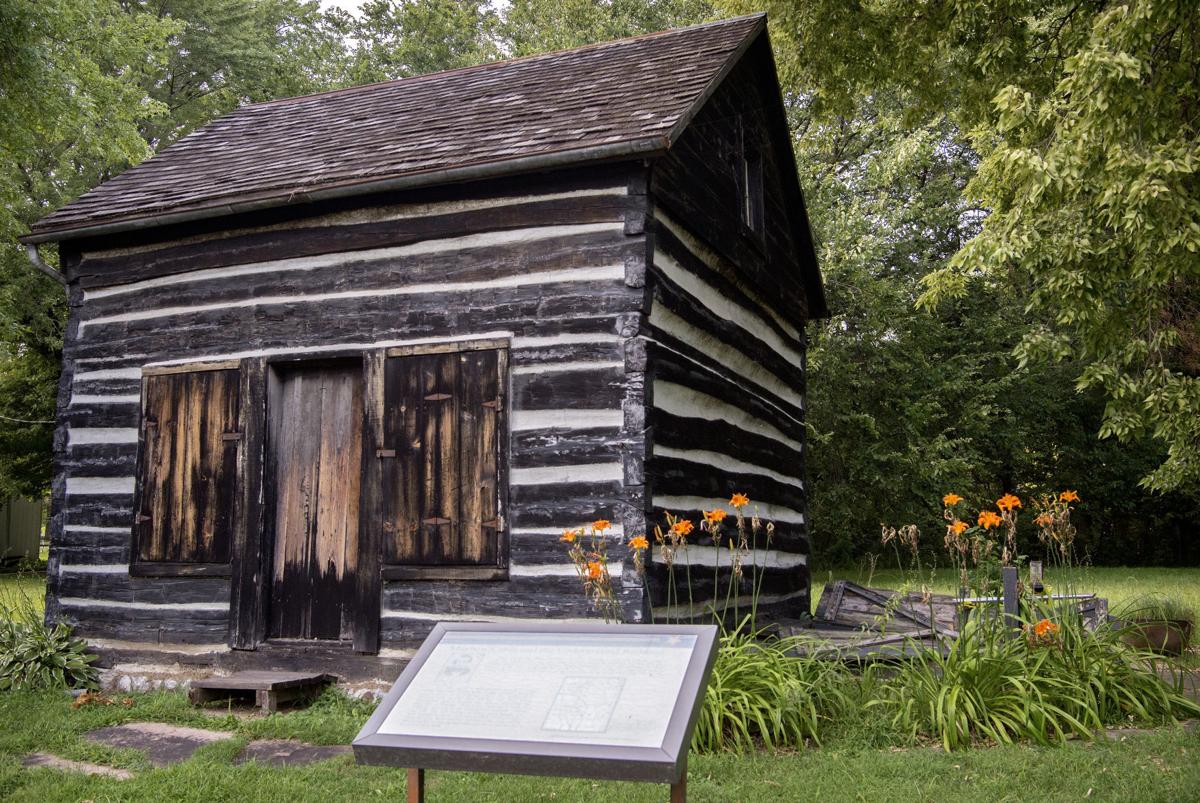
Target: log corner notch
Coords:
[(623, 305)]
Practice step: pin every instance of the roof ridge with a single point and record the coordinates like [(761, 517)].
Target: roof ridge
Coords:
[(347, 90)]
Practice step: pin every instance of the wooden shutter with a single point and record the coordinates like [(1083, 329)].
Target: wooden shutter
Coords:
[(441, 437), (187, 470)]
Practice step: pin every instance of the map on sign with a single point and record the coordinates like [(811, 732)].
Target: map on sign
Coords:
[(614, 689)]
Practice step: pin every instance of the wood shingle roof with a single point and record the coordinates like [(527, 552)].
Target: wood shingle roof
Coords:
[(625, 98)]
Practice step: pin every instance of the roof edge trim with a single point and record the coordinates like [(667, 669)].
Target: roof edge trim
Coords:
[(731, 61), (643, 147)]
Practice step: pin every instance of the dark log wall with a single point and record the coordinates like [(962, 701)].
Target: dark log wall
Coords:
[(725, 350), (551, 264)]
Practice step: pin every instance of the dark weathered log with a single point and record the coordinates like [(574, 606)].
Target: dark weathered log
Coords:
[(724, 438), (369, 270), (586, 389), (524, 597), (150, 590), (685, 478), (566, 447), (292, 237)]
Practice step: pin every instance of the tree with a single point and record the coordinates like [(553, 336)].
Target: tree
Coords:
[(1083, 115), (399, 38), (538, 26)]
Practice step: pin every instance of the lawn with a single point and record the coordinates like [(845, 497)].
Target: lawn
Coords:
[(1114, 583), (1159, 765), (16, 587)]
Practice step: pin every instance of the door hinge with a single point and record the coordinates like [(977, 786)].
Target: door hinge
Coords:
[(494, 404), (435, 520), (385, 453), (231, 436), (438, 397)]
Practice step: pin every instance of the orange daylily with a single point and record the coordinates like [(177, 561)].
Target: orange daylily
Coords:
[(988, 520), (715, 516), (739, 501), (1068, 496), (570, 535), (595, 570), (1044, 520), (682, 527), (1045, 628), (600, 525), (958, 527), (1008, 502), (639, 542), (950, 500)]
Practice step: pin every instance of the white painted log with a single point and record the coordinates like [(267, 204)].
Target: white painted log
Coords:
[(93, 568), (92, 398), (81, 436), (108, 373), (521, 420), (585, 472), (723, 462), (562, 367), (766, 512), (711, 556), (99, 486), (86, 602), (686, 402)]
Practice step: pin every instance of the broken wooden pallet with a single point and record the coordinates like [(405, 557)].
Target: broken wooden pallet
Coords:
[(851, 605), (268, 688)]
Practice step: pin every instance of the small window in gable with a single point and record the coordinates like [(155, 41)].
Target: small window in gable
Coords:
[(752, 189), (443, 426), (187, 472)]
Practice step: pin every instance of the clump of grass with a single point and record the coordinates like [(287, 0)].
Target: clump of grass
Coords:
[(762, 693), (1154, 608), (1055, 682)]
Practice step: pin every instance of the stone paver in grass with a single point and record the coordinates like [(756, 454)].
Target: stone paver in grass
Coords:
[(53, 762), (162, 744), (288, 752)]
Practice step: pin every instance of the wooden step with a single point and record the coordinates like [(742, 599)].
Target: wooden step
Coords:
[(269, 688)]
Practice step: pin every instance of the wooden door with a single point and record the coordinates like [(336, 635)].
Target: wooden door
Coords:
[(440, 423), (316, 453)]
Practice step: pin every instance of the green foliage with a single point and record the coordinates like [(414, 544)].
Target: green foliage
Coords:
[(1155, 607), (35, 655), (537, 26), (1082, 119), (990, 686), (762, 693)]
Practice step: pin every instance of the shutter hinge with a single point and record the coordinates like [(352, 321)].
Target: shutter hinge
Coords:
[(381, 453), (494, 404), (491, 524), (231, 436), (435, 521), (142, 518), (437, 397)]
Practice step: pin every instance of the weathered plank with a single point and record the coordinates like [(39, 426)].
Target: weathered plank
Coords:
[(187, 469)]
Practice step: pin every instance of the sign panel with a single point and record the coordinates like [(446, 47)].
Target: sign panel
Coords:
[(608, 701)]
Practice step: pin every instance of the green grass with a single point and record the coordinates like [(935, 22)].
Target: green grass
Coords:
[(1116, 584), (16, 585), (1155, 766)]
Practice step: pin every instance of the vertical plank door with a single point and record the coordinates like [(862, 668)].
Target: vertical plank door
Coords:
[(440, 500), (187, 467), (316, 441)]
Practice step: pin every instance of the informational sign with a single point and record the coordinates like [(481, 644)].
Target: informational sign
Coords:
[(547, 698)]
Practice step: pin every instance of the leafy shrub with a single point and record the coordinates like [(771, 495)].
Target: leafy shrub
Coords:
[(1057, 682), (36, 656), (761, 692)]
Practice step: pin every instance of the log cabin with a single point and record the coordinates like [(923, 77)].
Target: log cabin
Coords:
[(340, 366)]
